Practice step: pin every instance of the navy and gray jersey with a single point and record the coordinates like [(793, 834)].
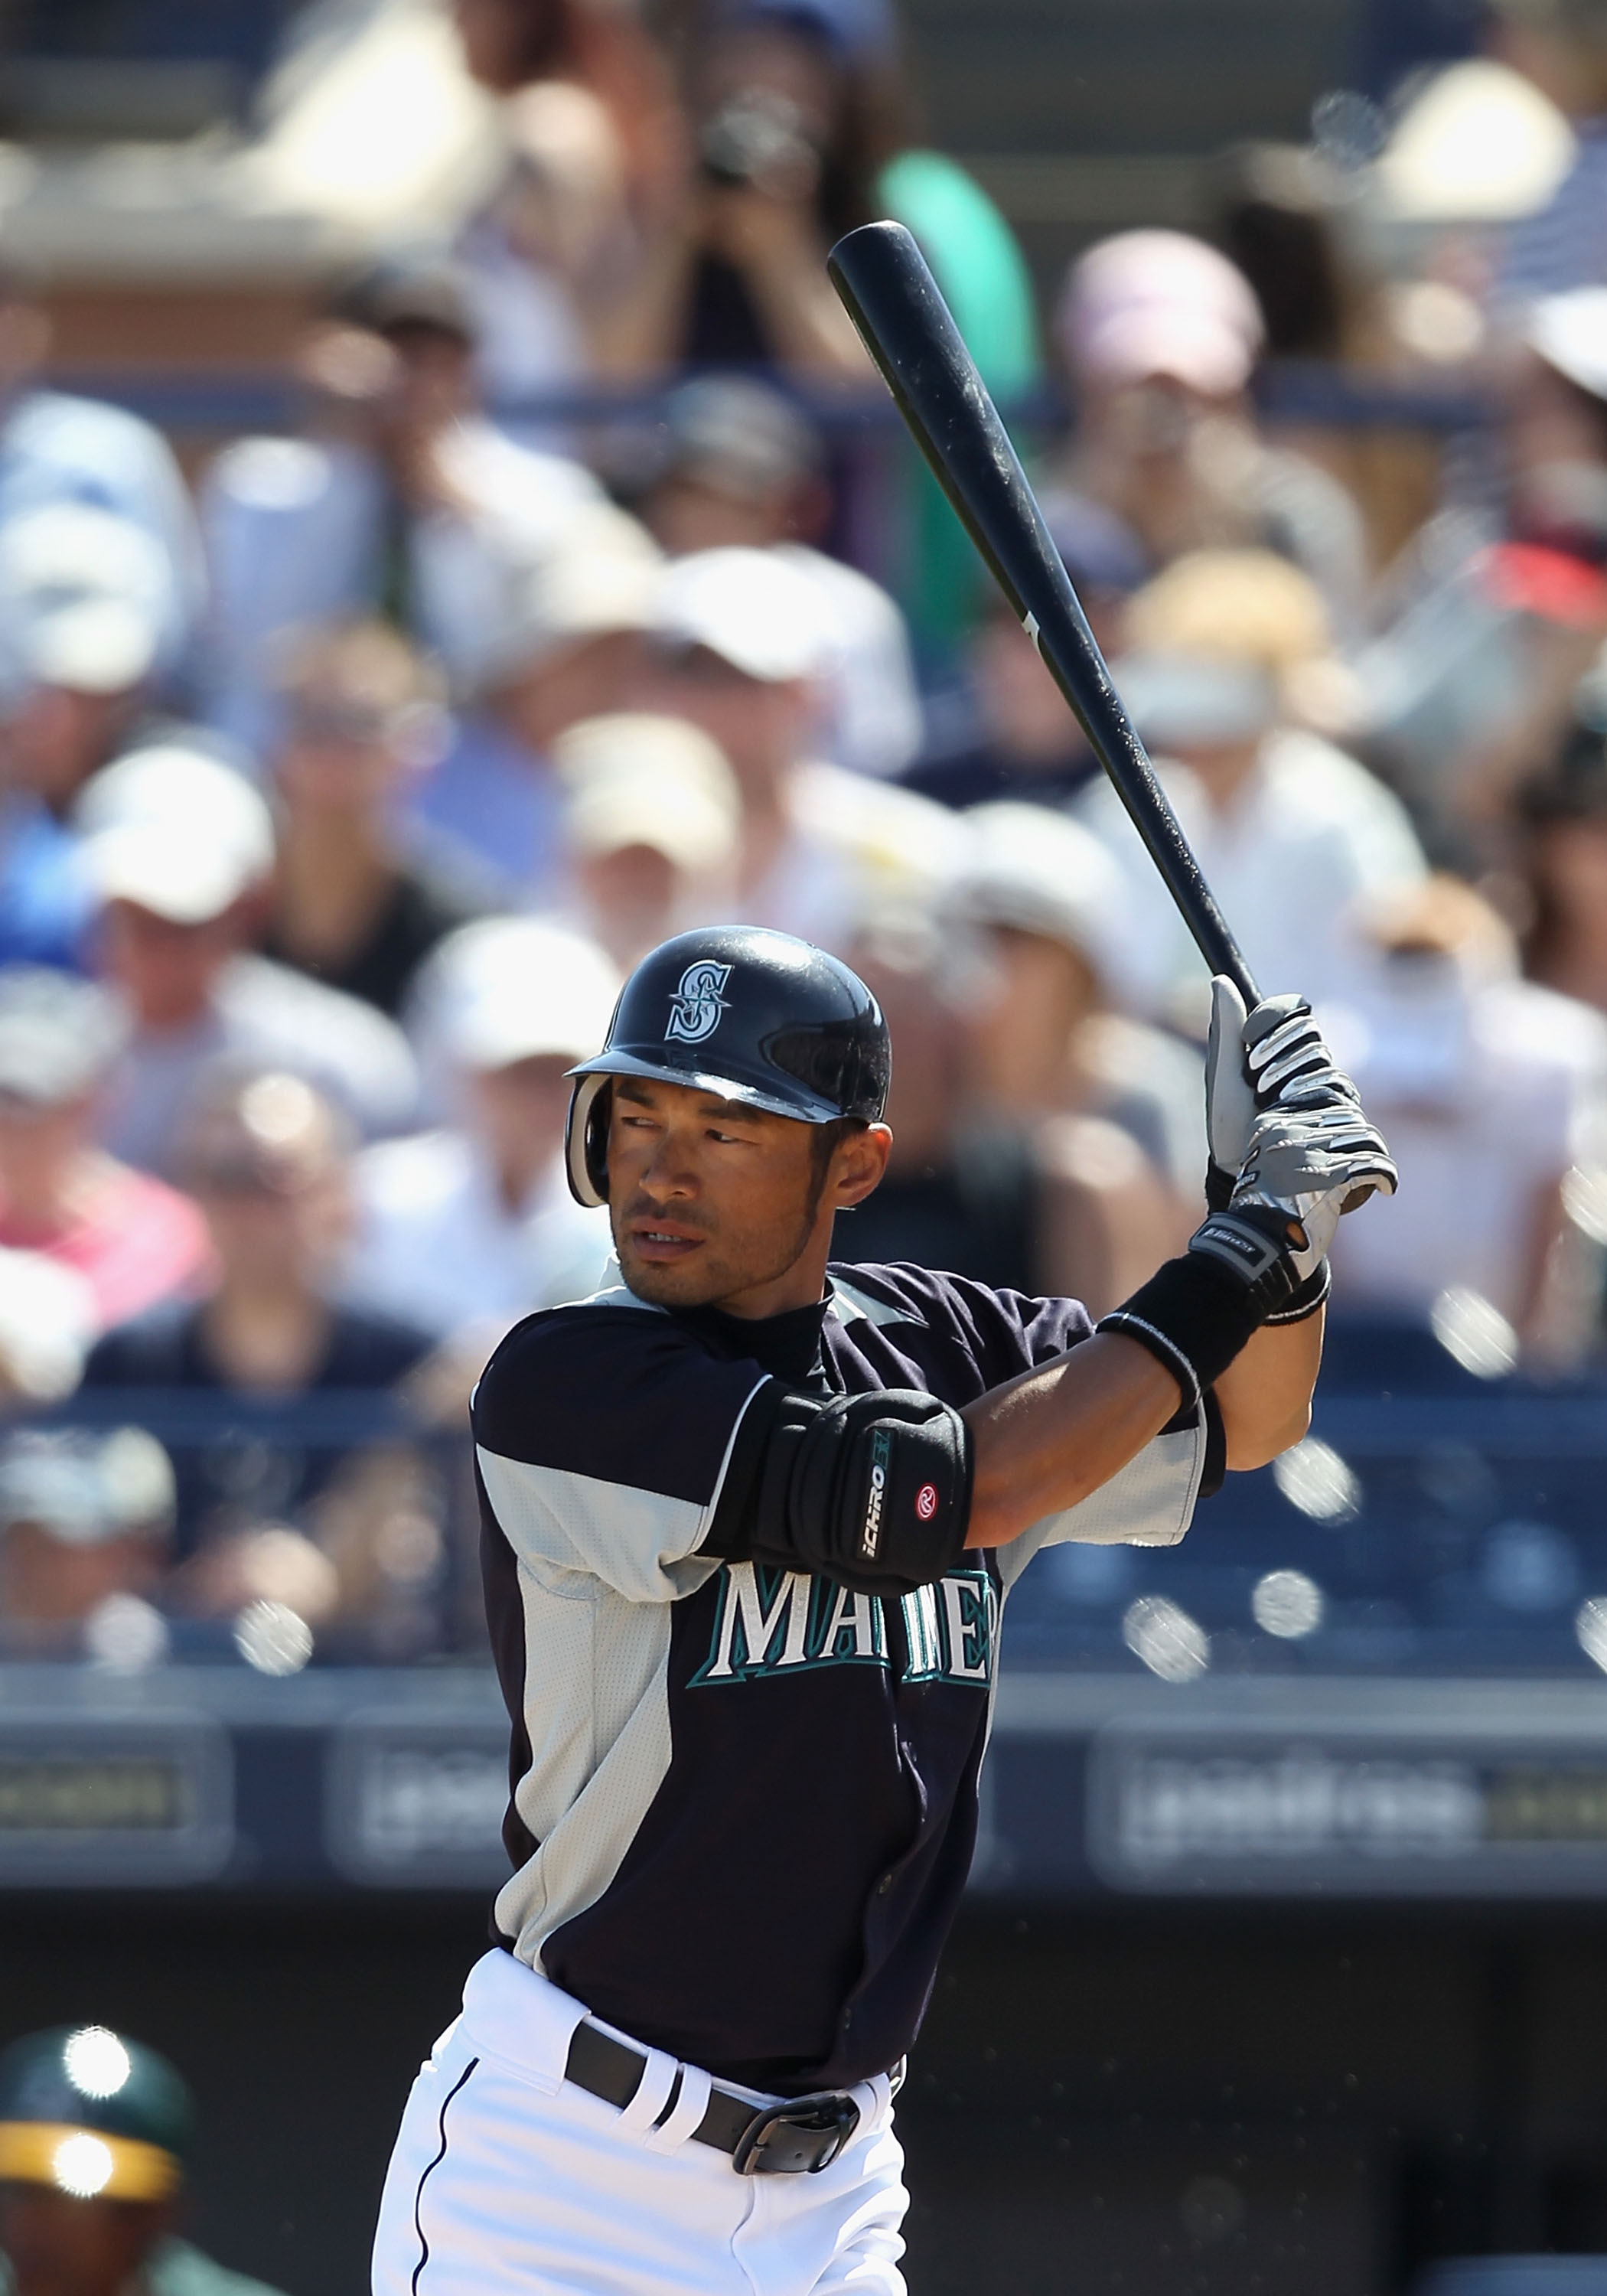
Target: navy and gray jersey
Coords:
[(744, 1796)]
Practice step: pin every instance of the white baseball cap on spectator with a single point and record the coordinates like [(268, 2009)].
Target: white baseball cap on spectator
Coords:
[(1035, 872), (83, 595), (635, 779), (176, 831), (750, 608), (178, 873), (600, 577), (518, 988), (1153, 303), (177, 780)]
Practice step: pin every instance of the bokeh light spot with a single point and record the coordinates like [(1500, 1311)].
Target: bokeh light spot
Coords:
[(81, 2165), (1287, 1603), (96, 2062)]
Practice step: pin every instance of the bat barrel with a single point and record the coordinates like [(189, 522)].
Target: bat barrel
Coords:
[(889, 293)]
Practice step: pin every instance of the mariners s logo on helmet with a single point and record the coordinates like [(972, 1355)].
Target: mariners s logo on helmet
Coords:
[(695, 1008)]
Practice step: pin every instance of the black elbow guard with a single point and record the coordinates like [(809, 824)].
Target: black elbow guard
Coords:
[(871, 1490)]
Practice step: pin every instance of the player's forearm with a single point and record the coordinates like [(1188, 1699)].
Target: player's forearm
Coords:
[(1265, 1394), (1043, 1442)]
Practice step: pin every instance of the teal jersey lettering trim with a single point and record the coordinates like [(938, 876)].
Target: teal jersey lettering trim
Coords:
[(769, 1621)]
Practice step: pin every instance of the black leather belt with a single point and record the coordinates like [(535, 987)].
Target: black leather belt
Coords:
[(802, 2136)]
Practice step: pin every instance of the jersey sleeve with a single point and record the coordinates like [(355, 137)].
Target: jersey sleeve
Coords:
[(602, 1437), (1148, 1503), (996, 1333)]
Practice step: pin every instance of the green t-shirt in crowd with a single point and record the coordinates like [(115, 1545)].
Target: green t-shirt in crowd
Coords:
[(985, 284)]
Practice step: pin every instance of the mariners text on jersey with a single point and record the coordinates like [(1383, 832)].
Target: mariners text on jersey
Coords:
[(744, 1798)]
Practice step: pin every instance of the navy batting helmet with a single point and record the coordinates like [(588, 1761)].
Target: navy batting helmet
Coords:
[(753, 1015)]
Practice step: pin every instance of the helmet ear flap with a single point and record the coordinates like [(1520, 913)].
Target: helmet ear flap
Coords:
[(586, 1142)]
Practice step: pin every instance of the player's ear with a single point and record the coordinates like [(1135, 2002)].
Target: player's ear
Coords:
[(858, 1161)]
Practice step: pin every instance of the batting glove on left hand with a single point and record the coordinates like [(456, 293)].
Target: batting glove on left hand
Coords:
[(1274, 1057)]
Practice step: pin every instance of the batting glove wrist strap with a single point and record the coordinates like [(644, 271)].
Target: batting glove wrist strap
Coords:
[(1308, 1299), (1195, 1314), (1255, 1244)]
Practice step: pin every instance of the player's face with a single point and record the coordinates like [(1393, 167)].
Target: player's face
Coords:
[(715, 1204)]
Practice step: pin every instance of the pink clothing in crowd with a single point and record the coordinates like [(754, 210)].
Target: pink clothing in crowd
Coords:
[(135, 1242)]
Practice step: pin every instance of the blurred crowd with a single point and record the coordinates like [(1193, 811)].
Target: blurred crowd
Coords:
[(341, 782)]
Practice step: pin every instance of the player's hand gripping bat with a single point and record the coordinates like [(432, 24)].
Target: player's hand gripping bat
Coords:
[(893, 299)]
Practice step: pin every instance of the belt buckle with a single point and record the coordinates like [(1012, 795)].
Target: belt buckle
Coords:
[(803, 2135)]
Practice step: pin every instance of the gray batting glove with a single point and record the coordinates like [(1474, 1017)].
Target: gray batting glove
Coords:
[(1274, 1057)]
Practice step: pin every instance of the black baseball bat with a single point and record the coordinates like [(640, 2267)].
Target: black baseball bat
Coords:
[(909, 330)]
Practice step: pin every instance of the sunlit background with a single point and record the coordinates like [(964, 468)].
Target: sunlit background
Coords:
[(450, 539)]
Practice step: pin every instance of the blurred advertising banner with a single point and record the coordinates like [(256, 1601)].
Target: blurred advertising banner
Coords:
[(113, 1799), (1359, 1814)]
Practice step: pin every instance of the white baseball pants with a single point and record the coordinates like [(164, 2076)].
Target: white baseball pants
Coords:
[(507, 2180)]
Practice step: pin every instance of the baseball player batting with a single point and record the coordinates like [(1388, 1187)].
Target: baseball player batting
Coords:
[(749, 1523)]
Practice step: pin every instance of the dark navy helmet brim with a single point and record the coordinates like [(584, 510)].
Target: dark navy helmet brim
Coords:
[(801, 1107)]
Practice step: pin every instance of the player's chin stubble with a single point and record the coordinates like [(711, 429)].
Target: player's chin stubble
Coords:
[(721, 1271)]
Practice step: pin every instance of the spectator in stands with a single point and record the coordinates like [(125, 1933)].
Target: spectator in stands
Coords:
[(404, 499), (178, 851), (786, 158), (540, 250), (83, 599), (467, 1229), (741, 644), (1023, 741), (565, 641), (1226, 648), (133, 1240), (738, 463), (359, 721), (1489, 1086), (1044, 1035), (56, 449), (597, 166), (95, 2136), (1276, 217), (86, 1519), (1031, 1196), (796, 120), (798, 137), (1499, 609), (1160, 334), (264, 1155), (1553, 425), (1564, 815), (651, 824), (946, 1200)]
